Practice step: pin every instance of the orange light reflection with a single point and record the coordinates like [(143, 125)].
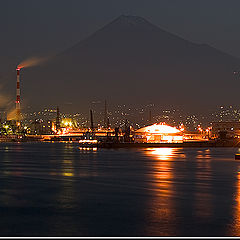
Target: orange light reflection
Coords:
[(162, 202), (203, 204), (236, 214)]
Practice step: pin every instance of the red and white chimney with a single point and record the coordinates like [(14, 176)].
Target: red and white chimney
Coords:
[(18, 112)]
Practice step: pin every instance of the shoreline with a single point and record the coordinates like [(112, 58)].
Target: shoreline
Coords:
[(197, 144), (170, 145)]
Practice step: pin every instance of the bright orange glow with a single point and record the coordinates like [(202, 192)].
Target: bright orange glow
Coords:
[(161, 153), (54, 127), (162, 199), (160, 133), (67, 174), (159, 128), (88, 149), (182, 128), (236, 216), (88, 141), (67, 122)]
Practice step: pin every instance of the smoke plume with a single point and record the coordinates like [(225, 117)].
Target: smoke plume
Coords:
[(12, 115), (31, 62)]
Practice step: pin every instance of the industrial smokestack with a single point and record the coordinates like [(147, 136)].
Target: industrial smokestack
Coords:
[(150, 117), (58, 119), (91, 120), (18, 111), (105, 115)]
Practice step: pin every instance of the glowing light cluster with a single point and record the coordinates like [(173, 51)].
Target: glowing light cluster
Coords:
[(161, 128), (67, 122), (157, 133)]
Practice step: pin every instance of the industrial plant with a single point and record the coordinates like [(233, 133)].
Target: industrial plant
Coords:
[(60, 127)]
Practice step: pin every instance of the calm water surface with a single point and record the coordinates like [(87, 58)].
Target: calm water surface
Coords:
[(57, 189)]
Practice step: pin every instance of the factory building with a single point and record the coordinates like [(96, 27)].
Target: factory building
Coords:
[(225, 129), (41, 127), (158, 133)]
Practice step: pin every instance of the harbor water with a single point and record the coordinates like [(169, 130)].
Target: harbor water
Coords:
[(59, 189)]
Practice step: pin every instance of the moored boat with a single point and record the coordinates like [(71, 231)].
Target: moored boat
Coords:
[(89, 140), (88, 143)]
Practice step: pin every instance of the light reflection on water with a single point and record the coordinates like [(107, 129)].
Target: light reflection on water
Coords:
[(203, 197), (63, 190), (160, 153), (236, 213), (161, 205), (196, 195), (162, 168)]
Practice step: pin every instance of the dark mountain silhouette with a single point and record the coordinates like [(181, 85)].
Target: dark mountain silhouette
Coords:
[(131, 60)]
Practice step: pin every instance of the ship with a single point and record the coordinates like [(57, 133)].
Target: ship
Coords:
[(89, 140)]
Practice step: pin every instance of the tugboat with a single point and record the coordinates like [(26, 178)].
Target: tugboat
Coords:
[(89, 140)]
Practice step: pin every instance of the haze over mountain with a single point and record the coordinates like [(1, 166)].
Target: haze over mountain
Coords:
[(133, 61)]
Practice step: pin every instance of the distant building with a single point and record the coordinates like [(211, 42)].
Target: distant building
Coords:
[(41, 127), (226, 129), (157, 133), (162, 133)]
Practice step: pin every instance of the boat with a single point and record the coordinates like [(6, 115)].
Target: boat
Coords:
[(89, 140), (88, 143)]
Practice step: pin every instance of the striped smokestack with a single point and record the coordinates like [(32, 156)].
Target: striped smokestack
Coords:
[(18, 96)]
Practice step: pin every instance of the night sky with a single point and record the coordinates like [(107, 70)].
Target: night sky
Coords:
[(31, 28), (45, 28)]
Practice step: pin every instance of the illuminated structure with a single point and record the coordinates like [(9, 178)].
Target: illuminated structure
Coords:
[(157, 133)]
